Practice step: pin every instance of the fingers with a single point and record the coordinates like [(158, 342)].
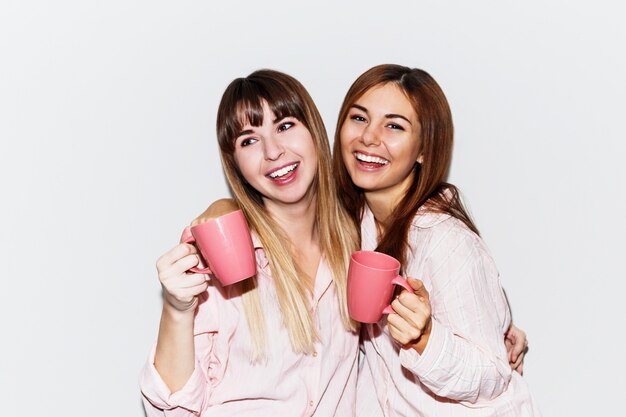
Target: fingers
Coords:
[(518, 363), (180, 267), (418, 288), (177, 252), (191, 280), (187, 294), (516, 345), (412, 307), (185, 299), (412, 317), (401, 334), (509, 350), (180, 289)]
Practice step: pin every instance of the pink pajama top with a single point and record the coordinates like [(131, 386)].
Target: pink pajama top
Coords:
[(225, 383), (464, 369)]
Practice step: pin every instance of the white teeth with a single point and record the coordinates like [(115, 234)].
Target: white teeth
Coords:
[(368, 158), (283, 171)]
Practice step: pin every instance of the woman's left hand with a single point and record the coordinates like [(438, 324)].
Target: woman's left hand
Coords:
[(411, 324), (516, 347)]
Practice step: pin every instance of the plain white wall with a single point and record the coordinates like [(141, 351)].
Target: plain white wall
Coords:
[(107, 113)]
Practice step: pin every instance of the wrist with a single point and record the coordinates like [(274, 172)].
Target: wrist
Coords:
[(179, 312)]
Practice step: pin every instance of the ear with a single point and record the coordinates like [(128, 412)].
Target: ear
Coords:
[(420, 159)]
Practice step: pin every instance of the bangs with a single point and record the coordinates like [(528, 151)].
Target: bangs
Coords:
[(245, 105)]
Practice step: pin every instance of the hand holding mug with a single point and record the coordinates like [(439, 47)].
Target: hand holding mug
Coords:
[(411, 324), (180, 289)]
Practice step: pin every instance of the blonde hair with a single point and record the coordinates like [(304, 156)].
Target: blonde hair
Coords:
[(242, 103)]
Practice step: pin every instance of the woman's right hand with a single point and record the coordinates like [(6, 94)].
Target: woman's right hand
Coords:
[(411, 324), (180, 289)]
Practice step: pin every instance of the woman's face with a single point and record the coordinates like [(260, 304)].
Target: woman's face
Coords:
[(380, 141), (277, 158)]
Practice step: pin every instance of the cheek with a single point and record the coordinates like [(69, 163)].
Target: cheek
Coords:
[(407, 145), (306, 147), (238, 160), (313, 156), (244, 164), (345, 135)]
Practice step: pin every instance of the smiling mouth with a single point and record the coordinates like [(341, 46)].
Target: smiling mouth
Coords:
[(282, 172), (370, 159)]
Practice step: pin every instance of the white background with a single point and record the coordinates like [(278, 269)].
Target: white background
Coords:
[(107, 113)]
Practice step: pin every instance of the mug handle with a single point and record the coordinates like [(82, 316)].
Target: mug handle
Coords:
[(187, 237), (401, 282)]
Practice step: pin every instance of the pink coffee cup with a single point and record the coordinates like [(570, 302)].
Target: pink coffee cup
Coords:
[(371, 279), (225, 245)]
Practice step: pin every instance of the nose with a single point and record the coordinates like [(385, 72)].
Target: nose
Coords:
[(370, 137), (272, 148)]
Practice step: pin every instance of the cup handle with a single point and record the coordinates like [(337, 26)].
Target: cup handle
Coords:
[(401, 282), (187, 237)]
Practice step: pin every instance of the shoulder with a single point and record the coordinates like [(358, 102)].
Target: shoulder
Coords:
[(216, 209), (443, 226), (442, 236), (433, 213), (221, 207), (426, 219)]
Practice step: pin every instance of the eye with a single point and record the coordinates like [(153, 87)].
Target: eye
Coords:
[(247, 141), (358, 118), (394, 126), (285, 126)]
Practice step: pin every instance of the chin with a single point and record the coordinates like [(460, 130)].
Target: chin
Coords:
[(364, 183)]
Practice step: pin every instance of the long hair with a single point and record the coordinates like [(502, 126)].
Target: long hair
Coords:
[(242, 103), (428, 189)]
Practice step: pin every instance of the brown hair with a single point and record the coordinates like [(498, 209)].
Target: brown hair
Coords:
[(428, 189), (242, 103)]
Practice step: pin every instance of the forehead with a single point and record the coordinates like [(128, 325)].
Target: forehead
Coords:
[(387, 99)]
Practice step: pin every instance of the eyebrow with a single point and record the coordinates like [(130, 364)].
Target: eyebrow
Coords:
[(250, 131), (388, 115), (245, 132)]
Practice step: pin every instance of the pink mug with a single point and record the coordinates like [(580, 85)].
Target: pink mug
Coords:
[(371, 279), (226, 247)]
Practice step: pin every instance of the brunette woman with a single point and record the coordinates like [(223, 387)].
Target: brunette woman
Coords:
[(443, 353)]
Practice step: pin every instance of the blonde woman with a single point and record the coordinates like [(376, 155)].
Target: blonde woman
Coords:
[(281, 343)]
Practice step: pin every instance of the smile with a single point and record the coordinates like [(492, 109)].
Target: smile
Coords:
[(370, 159), (281, 172)]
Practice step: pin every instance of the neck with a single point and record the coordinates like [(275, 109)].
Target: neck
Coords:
[(297, 220), (384, 202)]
